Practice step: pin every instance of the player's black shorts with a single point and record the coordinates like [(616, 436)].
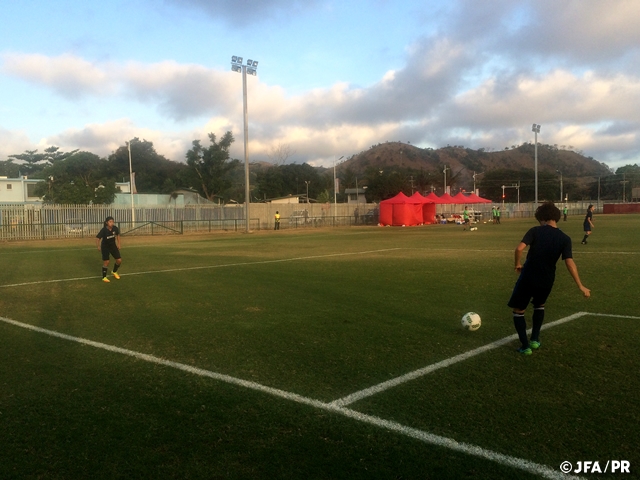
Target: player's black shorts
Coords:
[(111, 250), (529, 290), (587, 227)]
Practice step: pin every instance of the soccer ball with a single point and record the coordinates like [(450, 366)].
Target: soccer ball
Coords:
[(471, 321)]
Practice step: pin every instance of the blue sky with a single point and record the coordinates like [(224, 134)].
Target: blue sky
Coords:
[(334, 77)]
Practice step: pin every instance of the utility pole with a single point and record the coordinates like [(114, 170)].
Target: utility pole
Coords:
[(561, 195), (474, 181), (624, 188), (133, 210), (411, 179)]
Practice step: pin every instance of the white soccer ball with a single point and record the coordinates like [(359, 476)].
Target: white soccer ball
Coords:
[(471, 321)]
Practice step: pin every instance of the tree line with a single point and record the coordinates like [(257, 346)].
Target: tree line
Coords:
[(81, 177)]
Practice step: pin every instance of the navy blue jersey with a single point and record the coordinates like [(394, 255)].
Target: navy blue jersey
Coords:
[(108, 236), (546, 245), (588, 217)]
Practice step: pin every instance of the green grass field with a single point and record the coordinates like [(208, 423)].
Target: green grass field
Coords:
[(320, 314)]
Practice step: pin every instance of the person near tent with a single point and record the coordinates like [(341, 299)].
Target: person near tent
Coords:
[(498, 214), (465, 217), (277, 221), (565, 211), (493, 214)]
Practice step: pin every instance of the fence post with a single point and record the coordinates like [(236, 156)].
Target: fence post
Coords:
[(235, 224), (42, 228), (209, 225), (152, 229), (181, 227)]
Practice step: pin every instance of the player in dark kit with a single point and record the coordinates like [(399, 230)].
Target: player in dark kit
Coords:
[(546, 244), (588, 224), (108, 242)]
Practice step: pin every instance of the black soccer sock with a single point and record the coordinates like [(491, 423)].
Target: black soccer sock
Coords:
[(104, 272), (521, 327), (116, 267), (538, 318), (585, 238)]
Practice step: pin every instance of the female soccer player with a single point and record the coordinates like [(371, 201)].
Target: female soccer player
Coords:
[(588, 224), (546, 244), (108, 242)]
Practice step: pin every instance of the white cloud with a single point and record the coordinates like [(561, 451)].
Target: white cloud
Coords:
[(67, 75), (13, 141)]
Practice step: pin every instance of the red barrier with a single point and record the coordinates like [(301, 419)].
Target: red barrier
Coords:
[(621, 208)]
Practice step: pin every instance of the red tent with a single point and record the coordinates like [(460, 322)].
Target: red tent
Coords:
[(460, 198), (402, 210), (473, 198), (428, 208), (434, 197), (445, 198)]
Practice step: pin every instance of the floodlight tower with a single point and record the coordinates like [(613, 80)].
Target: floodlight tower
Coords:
[(536, 130), (252, 69), (335, 188)]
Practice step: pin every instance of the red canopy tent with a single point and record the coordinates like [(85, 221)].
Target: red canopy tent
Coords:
[(428, 208), (402, 210), (432, 196), (473, 198), (445, 198), (460, 198)]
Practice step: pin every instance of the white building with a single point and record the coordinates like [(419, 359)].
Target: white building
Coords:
[(19, 190), (356, 195)]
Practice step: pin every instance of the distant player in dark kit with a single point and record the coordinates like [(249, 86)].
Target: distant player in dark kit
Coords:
[(546, 244), (498, 213), (108, 242), (277, 220), (588, 224)]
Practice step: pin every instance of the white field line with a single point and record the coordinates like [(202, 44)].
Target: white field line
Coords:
[(426, 437), (204, 267), (612, 316), (394, 382)]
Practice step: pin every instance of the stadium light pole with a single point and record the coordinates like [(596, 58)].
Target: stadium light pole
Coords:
[(335, 187), (133, 210), (307, 182), (536, 130), (252, 69)]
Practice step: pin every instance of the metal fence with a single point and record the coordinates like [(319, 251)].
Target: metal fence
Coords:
[(42, 222)]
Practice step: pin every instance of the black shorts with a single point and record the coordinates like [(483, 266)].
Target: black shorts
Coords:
[(587, 227), (528, 290), (111, 250)]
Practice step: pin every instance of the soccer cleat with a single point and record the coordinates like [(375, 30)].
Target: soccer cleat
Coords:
[(525, 351), (116, 276), (534, 344), (106, 280)]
